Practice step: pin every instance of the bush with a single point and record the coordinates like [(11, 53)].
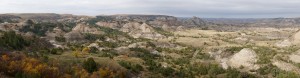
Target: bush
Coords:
[(233, 73), (181, 61), (288, 75), (215, 70), (93, 50), (150, 44), (139, 50), (60, 39), (163, 32), (234, 49), (10, 40), (108, 44), (143, 53), (39, 28), (93, 37), (265, 54), (56, 51), (167, 71), (90, 65), (108, 53), (136, 68)]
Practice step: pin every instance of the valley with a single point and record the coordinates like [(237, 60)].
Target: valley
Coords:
[(49, 45)]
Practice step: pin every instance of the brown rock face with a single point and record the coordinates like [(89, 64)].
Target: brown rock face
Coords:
[(108, 24), (141, 31), (77, 33), (83, 28), (152, 20), (55, 33), (74, 36), (132, 26), (194, 21)]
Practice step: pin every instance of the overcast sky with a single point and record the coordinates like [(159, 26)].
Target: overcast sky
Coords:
[(180, 8)]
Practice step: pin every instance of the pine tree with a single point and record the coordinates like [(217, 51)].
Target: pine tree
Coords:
[(90, 65)]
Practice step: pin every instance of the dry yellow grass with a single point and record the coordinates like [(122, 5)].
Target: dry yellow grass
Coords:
[(199, 33)]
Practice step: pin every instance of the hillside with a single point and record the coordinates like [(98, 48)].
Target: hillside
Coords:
[(48, 45)]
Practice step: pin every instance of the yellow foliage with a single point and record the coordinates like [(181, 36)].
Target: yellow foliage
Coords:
[(32, 67), (67, 76), (76, 54), (103, 72), (81, 73), (5, 58), (95, 75), (12, 66), (106, 73), (86, 50)]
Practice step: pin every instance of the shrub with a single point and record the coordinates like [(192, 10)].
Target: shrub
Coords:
[(108, 44), (234, 49), (60, 39), (93, 50), (93, 37), (233, 73), (163, 32), (265, 54), (56, 51), (136, 68), (90, 65), (288, 75), (39, 28), (11, 40)]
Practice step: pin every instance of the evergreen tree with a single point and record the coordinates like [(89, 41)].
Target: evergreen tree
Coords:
[(90, 65), (11, 40)]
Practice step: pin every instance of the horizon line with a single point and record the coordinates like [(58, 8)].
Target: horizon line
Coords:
[(144, 14)]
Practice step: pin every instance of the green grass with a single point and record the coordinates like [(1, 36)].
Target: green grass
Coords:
[(265, 54)]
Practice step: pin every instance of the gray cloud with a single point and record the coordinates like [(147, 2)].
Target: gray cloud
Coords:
[(201, 8)]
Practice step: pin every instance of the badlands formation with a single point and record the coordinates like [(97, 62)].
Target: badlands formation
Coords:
[(149, 46)]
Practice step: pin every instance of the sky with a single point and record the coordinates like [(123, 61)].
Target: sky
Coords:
[(179, 8)]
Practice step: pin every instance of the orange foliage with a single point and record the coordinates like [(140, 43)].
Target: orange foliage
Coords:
[(80, 72), (29, 66), (4, 57), (33, 68)]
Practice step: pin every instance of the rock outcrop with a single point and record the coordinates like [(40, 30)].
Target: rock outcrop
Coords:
[(74, 36), (152, 20), (296, 38), (284, 43), (131, 26), (246, 58), (286, 66), (194, 21), (141, 31), (295, 57), (108, 24), (83, 28), (278, 22), (55, 33)]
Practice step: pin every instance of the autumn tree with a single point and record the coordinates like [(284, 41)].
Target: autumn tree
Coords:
[(85, 50)]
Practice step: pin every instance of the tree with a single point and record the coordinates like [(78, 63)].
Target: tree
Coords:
[(136, 68), (93, 49), (86, 50), (90, 65), (76, 54), (29, 22), (11, 40), (60, 39)]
